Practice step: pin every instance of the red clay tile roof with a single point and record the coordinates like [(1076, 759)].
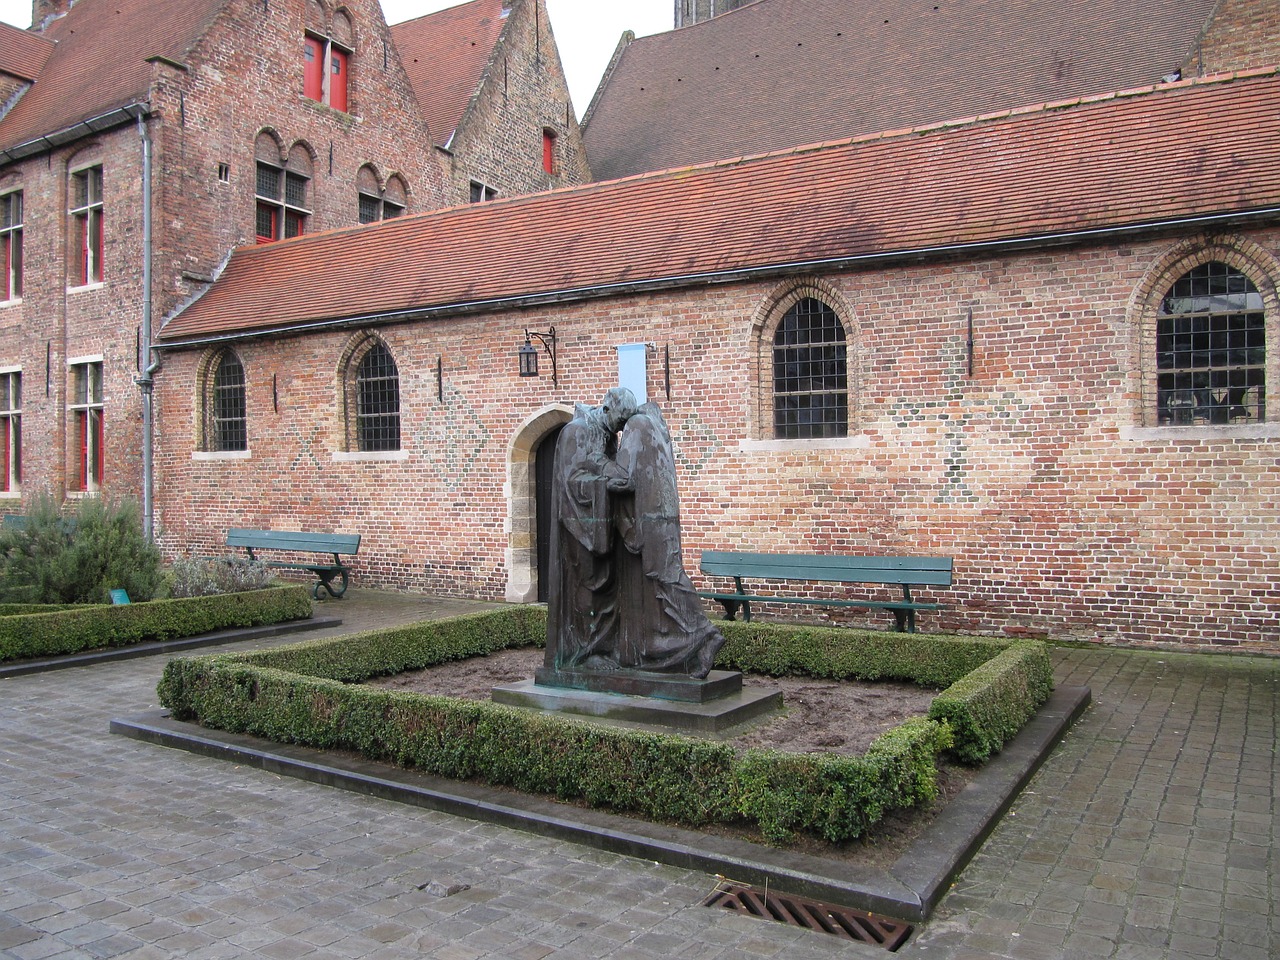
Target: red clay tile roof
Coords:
[(22, 53), (100, 63), (445, 55), (1196, 149), (779, 73)]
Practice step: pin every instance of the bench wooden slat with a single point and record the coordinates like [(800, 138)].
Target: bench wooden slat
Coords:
[(300, 542), (904, 572), (924, 571), (294, 540)]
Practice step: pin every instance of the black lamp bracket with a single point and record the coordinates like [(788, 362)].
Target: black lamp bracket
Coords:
[(548, 341)]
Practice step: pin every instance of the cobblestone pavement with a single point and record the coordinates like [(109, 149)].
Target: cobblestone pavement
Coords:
[(1150, 833)]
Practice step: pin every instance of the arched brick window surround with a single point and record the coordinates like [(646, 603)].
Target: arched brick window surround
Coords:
[(764, 325), (206, 438), (1251, 259), (348, 387), (522, 525)]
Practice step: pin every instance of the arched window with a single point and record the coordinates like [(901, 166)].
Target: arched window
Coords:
[(282, 204), (377, 401), (376, 202), (1211, 348), (810, 373), (226, 419)]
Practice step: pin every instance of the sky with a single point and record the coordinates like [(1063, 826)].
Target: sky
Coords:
[(587, 31)]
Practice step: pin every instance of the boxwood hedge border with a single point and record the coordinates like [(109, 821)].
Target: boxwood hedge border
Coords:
[(311, 693), (28, 631)]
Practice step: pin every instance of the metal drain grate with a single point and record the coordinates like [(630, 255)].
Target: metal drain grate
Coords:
[(798, 912)]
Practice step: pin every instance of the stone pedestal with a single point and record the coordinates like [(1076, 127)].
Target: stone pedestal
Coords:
[(681, 703)]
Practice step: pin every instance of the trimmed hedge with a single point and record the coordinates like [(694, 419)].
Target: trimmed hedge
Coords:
[(992, 686), (987, 706), (309, 693), (66, 630)]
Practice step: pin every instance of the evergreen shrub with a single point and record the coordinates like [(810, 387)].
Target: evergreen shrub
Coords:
[(52, 558), (311, 693), (73, 630)]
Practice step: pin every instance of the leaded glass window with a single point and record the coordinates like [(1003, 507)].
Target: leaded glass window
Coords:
[(377, 401), (229, 426), (1211, 349), (810, 373)]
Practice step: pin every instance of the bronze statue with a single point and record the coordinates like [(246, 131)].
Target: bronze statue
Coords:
[(620, 597)]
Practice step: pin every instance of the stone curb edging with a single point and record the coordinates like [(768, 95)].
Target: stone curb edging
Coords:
[(908, 890), (153, 647)]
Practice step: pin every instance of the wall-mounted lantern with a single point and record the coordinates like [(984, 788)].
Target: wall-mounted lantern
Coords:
[(528, 353)]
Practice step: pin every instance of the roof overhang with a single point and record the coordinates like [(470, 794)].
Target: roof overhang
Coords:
[(1235, 219), (77, 131)]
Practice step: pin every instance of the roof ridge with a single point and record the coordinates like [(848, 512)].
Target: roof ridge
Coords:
[(959, 122), (596, 186)]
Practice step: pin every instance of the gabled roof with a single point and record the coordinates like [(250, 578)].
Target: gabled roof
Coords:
[(100, 61), (22, 54), (779, 73), (445, 55), (1189, 151)]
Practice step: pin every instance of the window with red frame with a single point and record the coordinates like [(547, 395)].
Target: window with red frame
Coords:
[(282, 210), (11, 246), (549, 151), (86, 220), (11, 430), (87, 414), (325, 86)]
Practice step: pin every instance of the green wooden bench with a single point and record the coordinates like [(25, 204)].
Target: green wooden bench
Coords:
[(296, 542), (906, 572)]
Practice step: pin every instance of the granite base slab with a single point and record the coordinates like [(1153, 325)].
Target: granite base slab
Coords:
[(713, 716)]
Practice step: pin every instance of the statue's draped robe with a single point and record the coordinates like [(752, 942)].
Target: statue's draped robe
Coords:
[(662, 624), (582, 611)]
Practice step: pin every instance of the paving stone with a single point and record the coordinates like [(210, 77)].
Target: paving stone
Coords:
[(1148, 835)]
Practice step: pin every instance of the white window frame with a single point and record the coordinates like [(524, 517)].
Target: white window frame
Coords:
[(91, 450), (11, 432), (12, 232), (91, 212)]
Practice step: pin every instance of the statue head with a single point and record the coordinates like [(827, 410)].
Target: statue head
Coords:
[(618, 406)]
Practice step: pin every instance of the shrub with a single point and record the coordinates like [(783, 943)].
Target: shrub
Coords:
[(62, 631), (208, 576), (52, 558), (310, 693)]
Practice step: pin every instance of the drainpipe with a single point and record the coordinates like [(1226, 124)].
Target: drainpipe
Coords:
[(145, 381)]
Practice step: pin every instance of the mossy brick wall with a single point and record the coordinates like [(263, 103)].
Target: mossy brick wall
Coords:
[(1067, 513)]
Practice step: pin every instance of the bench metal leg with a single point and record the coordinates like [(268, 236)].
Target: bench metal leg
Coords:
[(326, 583)]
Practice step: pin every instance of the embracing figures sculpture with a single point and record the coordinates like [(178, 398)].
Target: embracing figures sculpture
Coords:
[(620, 598)]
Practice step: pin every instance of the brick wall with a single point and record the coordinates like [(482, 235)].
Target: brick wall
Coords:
[(57, 321), (1066, 515), (207, 120), (499, 139), (203, 117), (1241, 35)]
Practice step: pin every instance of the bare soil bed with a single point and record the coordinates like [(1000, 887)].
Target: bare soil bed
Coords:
[(821, 716)]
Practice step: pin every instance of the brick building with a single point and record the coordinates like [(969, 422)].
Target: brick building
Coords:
[(781, 73), (1045, 342), (689, 12), (489, 81), (140, 142)]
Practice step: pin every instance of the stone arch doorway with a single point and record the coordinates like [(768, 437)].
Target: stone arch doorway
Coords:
[(543, 472), (532, 447)]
